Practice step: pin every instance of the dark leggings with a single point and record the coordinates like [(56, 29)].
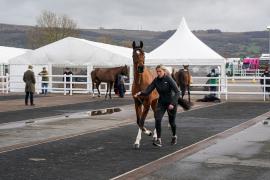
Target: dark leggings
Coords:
[(31, 97), (160, 111)]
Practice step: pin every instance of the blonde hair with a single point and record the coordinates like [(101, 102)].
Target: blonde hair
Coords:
[(160, 66)]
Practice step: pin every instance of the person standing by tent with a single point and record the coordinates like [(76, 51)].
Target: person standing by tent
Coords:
[(121, 85), (266, 82), (213, 82), (30, 81), (45, 79), (67, 72)]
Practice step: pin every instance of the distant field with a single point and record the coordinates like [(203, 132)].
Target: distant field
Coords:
[(227, 44)]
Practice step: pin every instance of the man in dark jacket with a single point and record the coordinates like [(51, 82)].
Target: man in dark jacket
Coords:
[(30, 81), (168, 100), (45, 79), (67, 72), (213, 82), (266, 81)]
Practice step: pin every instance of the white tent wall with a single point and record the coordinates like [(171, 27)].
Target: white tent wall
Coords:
[(7, 53), (70, 52), (16, 78)]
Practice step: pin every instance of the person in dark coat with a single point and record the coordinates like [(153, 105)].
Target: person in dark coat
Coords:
[(67, 72), (168, 101), (213, 82), (265, 74), (121, 85), (30, 81)]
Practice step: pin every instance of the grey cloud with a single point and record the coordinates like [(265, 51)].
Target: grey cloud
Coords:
[(227, 15)]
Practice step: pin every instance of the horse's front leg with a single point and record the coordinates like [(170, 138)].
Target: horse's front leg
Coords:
[(97, 86), (110, 93), (93, 89), (146, 108), (138, 109), (107, 90), (138, 139)]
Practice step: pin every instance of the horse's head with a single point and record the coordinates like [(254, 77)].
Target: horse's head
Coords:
[(138, 57), (124, 70)]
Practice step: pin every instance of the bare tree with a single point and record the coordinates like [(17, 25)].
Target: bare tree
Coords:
[(50, 28)]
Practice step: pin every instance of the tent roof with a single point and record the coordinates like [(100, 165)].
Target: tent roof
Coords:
[(7, 53), (183, 47), (75, 51)]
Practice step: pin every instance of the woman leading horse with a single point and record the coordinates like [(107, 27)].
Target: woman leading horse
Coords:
[(168, 97), (143, 80)]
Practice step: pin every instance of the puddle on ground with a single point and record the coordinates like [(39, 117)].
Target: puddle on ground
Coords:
[(105, 111)]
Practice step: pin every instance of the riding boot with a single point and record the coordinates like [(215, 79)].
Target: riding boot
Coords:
[(174, 140), (157, 142)]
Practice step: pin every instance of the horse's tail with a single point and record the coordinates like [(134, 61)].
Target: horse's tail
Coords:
[(93, 77), (184, 104)]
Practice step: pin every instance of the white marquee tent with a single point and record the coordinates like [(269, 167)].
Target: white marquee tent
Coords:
[(70, 52), (7, 53), (74, 51), (183, 47)]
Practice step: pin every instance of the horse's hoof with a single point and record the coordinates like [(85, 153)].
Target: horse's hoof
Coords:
[(136, 146)]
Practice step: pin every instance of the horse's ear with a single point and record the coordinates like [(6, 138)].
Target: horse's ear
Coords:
[(141, 44), (133, 44)]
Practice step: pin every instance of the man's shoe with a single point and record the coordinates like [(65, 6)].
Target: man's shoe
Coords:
[(157, 142), (174, 140)]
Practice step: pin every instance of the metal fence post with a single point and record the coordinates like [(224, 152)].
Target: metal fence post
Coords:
[(264, 88), (89, 80), (219, 86), (226, 87), (70, 85), (65, 83), (7, 83)]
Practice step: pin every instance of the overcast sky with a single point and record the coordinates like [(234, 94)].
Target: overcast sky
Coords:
[(158, 15)]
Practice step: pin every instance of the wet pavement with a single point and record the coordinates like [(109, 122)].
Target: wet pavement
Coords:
[(109, 153), (242, 156), (54, 110)]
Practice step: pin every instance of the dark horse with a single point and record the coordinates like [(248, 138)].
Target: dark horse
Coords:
[(183, 80), (142, 78), (108, 75)]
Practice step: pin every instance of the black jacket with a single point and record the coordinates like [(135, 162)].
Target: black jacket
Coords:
[(167, 89), (267, 75), (67, 74)]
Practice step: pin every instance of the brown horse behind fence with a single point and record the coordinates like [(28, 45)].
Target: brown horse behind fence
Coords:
[(183, 80), (107, 75)]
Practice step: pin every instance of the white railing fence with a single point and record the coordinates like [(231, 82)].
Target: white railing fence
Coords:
[(4, 83), (66, 84), (245, 85)]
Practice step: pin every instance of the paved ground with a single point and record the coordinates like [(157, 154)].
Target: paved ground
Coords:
[(55, 105), (242, 156), (108, 153)]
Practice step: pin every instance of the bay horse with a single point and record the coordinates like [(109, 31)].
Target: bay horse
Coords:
[(107, 75), (183, 80), (142, 78)]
